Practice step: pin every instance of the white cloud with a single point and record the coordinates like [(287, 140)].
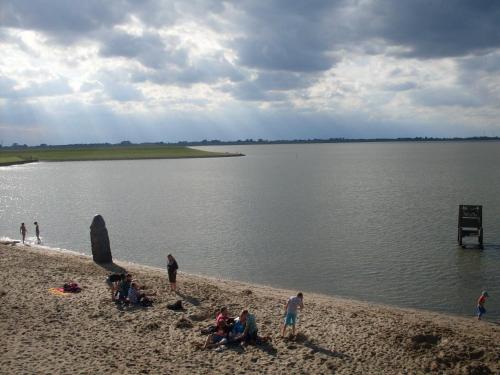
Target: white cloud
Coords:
[(213, 69)]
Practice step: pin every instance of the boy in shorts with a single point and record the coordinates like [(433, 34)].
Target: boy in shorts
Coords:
[(291, 307)]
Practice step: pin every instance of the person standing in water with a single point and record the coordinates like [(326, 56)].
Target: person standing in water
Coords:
[(172, 268), (480, 304), (37, 232), (23, 231)]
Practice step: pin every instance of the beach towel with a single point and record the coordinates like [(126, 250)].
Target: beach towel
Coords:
[(58, 291)]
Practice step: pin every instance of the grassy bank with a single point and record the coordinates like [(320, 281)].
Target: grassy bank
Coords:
[(9, 157)]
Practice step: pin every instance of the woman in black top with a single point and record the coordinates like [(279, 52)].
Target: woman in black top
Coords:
[(172, 271)]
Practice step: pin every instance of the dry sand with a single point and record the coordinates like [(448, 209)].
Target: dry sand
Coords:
[(86, 333)]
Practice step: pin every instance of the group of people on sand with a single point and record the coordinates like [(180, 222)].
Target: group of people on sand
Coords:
[(243, 328), (23, 231), (234, 330), (125, 290)]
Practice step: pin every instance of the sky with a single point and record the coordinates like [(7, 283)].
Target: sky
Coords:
[(150, 71)]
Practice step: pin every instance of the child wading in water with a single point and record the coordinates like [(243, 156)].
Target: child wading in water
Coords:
[(480, 305)]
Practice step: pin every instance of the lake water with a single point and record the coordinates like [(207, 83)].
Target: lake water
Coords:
[(369, 221)]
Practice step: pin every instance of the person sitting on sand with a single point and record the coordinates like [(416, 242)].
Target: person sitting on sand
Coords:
[(237, 329), (23, 231), (480, 304), (113, 282), (124, 287), (291, 307), (223, 327), (249, 334), (138, 297)]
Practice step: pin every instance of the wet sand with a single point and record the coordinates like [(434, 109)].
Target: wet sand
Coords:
[(86, 333)]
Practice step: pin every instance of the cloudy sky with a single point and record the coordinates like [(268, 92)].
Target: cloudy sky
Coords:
[(107, 71)]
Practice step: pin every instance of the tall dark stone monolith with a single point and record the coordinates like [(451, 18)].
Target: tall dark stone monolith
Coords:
[(101, 250)]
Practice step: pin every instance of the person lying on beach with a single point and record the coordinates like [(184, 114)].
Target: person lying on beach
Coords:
[(113, 282), (138, 297), (291, 307), (480, 304)]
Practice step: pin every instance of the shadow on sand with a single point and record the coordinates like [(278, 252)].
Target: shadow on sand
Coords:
[(190, 299), (112, 267), (303, 340), (266, 347)]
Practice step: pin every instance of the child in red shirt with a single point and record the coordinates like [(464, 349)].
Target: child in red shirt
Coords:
[(480, 305)]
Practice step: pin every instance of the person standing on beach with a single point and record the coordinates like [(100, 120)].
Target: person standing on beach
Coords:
[(37, 232), (172, 268), (23, 231), (480, 304), (291, 307)]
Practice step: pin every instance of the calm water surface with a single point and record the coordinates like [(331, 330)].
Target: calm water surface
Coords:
[(370, 221)]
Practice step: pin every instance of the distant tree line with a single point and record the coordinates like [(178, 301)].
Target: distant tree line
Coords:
[(250, 141)]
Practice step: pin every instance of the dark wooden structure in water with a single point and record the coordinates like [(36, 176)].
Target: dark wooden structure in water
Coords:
[(470, 222)]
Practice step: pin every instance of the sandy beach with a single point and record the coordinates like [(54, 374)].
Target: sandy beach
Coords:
[(87, 333)]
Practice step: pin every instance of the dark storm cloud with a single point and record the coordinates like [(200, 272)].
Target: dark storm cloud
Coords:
[(203, 70), (276, 47), (305, 36), (269, 86), (64, 21), (429, 28), (285, 35), (149, 49)]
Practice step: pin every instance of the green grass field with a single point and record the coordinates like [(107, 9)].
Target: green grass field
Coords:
[(8, 157)]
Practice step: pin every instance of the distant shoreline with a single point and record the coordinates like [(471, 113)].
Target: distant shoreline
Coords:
[(7, 164), (10, 157), (152, 158), (248, 141)]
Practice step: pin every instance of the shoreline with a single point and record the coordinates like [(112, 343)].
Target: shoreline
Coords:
[(227, 155), (10, 163), (87, 333), (240, 283)]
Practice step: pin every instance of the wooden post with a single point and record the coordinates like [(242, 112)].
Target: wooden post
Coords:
[(470, 222)]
